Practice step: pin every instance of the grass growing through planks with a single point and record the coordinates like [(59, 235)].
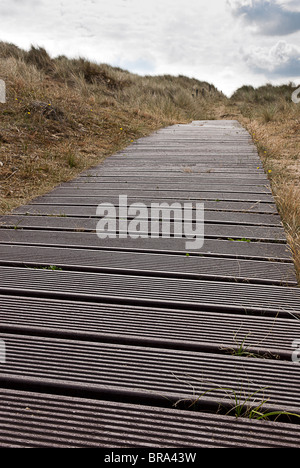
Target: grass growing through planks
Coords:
[(241, 348), (243, 408), (48, 267), (239, 404), (239, 240)]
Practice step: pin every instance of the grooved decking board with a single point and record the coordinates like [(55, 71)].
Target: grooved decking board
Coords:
[(149, 326), (194, 267), (186, 175), (151, 291), (147, 374), (175, 180), (124, 186), (134, 321), (41, 420), (197, 196), (258, 175), (179, 169), (212, 247), (267, 233), (210, 216), (196, 162), (213, 205)]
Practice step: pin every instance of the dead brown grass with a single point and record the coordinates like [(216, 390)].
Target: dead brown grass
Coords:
[(273, 120)]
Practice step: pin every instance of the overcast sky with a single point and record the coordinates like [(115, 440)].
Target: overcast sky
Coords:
[(226, 42)]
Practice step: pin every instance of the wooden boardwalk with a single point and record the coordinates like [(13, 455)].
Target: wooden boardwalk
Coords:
[(108, 341)]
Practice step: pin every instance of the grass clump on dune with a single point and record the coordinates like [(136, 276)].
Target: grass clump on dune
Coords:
[(64, 115)]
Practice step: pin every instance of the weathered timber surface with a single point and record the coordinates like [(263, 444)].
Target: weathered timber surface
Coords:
[(104, 337)]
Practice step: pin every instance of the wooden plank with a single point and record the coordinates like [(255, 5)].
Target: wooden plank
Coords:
[(158, 292), (165, 187), (160, 194), (82, 211), (212, 247), (193, 267), (150, 375), (225, 231), (55, 421), (199, 330), (209, 205)]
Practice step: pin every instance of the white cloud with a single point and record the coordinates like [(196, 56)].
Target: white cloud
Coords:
[(282, 59), (196, 38), (272, 18)]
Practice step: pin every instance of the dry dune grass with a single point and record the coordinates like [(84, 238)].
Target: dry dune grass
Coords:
[(274, 123), (64, 115)]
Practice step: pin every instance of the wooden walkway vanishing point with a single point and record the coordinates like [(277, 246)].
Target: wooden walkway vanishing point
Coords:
[(109, 341)]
